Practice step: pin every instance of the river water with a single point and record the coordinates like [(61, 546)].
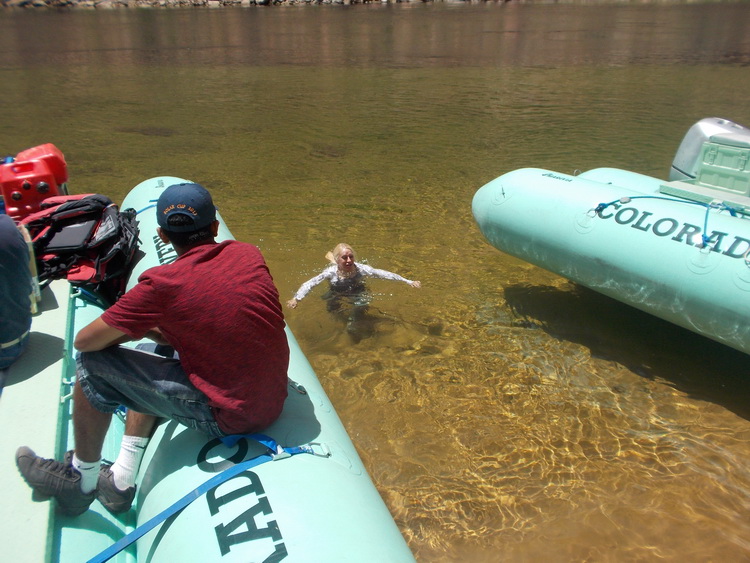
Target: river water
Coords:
[(503, 413)]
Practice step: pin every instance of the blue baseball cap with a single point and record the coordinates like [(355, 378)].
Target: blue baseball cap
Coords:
[(191, 200)]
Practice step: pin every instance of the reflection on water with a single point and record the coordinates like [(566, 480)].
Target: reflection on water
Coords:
[(504, 413)]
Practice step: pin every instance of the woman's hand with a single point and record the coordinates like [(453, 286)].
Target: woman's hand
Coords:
[(416, 284), (292, 303)]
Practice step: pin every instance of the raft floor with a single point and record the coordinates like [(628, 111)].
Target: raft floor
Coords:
[(29, 411)]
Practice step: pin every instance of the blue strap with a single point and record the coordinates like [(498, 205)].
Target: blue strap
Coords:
[(147, 207), (275, 452), (279, 452)]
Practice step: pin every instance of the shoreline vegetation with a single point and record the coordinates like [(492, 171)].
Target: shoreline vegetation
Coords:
[(124, 4), (119, 4)]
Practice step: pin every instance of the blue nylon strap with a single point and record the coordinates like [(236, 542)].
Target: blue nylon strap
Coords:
[(274, 450), (146, 208), (267, 441)]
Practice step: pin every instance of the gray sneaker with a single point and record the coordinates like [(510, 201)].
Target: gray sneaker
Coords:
[(52, 478), (113, 499)]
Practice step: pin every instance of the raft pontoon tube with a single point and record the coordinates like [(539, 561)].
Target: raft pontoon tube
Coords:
[(678, 249)]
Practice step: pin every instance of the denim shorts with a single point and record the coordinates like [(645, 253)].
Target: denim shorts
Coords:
[(145, 382)]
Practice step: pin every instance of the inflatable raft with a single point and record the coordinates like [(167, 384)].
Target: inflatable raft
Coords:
[(678, 249), (318, 505)]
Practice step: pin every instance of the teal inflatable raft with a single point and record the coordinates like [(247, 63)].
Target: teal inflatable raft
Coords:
[(678, 249), (319, 505)]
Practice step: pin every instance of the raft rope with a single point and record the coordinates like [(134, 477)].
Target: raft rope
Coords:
[(275, 452), (718, 205)]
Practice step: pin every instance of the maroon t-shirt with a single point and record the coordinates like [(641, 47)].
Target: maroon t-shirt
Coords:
[(218, 306)]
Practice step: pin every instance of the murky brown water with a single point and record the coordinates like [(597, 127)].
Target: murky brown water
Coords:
[(504, 414)]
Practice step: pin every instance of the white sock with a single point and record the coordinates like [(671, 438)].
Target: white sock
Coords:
[(89, 473), (125, 469)]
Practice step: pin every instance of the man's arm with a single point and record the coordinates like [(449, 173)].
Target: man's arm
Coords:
[(98, 335)]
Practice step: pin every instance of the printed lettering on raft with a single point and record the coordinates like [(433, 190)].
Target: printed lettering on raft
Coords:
[(556, 177), (739, 242), (164, 252), (665, 232), (249, 493), (227, 535), (687, 232), (666, 226)]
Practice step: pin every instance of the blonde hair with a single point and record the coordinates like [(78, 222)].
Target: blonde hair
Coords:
[(337, 251)]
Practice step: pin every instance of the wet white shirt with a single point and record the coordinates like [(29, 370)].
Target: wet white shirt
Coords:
[(348, 284)]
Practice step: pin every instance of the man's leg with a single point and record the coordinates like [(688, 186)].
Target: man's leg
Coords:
[(139, 380), (139, 424), (143, 383), (138, 430), (89, 427), (116, 483)]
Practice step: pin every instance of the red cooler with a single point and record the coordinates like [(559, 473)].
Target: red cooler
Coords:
[(35, 174)]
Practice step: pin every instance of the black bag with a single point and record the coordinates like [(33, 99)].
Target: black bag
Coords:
[(86, 239)]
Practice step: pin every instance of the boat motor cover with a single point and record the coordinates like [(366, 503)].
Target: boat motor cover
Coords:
[(689, 157)]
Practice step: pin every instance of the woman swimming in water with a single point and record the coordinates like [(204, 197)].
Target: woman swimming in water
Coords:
[(347, 279)]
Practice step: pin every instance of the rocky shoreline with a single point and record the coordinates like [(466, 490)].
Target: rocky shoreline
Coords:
[(117, 4)]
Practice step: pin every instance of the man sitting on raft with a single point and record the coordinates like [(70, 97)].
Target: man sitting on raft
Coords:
[(226, 324)]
